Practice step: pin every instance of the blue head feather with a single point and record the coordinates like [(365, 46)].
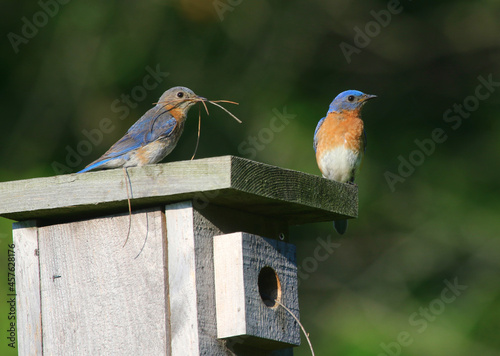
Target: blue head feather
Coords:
[(349, 100)]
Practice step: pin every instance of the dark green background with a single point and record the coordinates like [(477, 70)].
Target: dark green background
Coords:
[(439, 224)]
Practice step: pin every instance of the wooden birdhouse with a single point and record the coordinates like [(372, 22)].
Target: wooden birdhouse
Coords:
[(203, 265)]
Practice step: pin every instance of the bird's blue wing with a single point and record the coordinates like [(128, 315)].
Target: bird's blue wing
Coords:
[(315, 142), (95, 165), (125, 145), (155, 123)]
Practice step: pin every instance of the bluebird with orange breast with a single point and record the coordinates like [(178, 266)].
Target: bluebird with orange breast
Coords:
[(154, 135), (340, 141)]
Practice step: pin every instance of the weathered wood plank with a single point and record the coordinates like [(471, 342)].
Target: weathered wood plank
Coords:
[(249, 269), (29, 312), (298, 196), (96, 297), (182, 279), (209, 221), (229, 287), (243, 184)]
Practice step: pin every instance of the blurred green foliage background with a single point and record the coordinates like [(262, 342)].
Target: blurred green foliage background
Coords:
[(383, 290)]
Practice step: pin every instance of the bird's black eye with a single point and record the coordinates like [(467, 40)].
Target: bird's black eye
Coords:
[(350, 98), (180, 94)]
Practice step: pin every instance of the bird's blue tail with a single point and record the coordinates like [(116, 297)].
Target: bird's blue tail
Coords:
[(340, 226), (94, 165)]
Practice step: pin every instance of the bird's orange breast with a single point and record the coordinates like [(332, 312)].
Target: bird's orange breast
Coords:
[(341, 129), (176, 112)]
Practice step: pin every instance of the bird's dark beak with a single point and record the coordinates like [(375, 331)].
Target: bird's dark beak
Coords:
[(201, 98), (369, 96)]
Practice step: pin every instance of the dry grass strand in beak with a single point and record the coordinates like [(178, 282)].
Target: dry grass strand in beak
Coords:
[(199, 131), (205, 105), (223, 108)]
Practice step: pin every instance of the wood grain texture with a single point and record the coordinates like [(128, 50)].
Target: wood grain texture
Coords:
[(239, 260), (182, 279), (229, 286), (29, 312), (209, 222), (96, 297), (193, 304), (240, 183)]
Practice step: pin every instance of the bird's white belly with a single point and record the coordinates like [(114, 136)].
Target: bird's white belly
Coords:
[(339, 164)]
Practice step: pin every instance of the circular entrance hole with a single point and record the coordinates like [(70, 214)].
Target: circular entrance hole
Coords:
[(269, 286)]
